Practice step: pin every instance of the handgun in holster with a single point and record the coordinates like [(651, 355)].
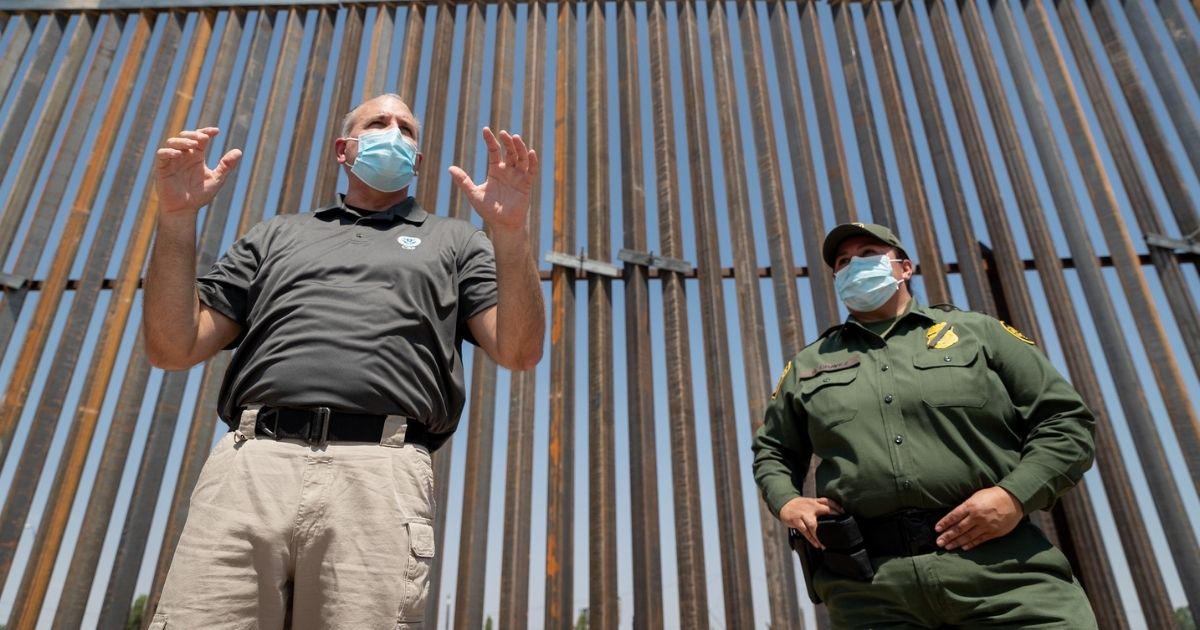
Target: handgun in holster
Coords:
[(845, 553)]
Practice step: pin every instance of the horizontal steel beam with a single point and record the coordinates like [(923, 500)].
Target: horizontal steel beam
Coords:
[(137, 5), (726, 272)]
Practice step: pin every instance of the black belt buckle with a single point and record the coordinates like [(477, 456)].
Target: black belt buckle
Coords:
[(318, 427), (268, 414)]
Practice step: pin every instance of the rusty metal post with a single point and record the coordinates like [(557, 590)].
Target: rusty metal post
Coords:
[(518, 492), (643, 468), (560, 509), (602, 491), (689, 539)]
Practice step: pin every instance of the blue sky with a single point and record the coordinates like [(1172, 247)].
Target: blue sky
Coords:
[(612, 141)]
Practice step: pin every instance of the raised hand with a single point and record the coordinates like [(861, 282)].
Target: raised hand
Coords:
[(183, 181), (503, 199)]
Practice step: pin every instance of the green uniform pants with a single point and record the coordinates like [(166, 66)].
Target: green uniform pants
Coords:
[(1018, 581)]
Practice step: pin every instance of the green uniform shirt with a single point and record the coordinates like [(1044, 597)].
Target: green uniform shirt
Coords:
[(945, 403)]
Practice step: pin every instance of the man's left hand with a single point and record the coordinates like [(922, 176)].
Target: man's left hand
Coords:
[(987, 514), (503, 199)]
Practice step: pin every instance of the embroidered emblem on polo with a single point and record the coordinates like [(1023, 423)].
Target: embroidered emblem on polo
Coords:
[(408, 242)]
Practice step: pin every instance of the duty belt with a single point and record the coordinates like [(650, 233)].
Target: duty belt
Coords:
[(319, 425), (904, 533)]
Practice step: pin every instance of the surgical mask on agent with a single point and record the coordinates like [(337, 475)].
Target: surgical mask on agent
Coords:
[(866, 283), (386, 160)]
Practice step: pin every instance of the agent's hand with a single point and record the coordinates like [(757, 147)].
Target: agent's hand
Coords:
[(987, 514), (503, 198), (183, 181), (801, 515)]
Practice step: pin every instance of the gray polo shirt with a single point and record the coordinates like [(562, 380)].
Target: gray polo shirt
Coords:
[(357, 312)]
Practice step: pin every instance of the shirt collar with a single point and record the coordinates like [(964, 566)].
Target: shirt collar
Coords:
[(408, 211), (914, 310)]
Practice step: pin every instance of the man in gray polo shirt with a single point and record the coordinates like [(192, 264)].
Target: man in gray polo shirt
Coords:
[(316, 509)]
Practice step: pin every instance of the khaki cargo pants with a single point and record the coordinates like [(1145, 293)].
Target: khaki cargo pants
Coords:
[(286, 535)]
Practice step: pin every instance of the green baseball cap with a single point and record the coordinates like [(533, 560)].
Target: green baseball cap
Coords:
[(834, 239)]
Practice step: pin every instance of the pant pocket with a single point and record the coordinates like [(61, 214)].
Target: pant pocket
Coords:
[(416, 578), (159, 622)]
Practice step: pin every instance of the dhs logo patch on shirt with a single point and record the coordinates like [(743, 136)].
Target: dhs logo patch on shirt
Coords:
[(408, 242)]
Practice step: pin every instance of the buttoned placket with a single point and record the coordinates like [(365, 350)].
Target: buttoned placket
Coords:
[(891, 409)]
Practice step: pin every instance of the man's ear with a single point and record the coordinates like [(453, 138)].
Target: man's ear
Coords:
[(339, 149), (417, 163)]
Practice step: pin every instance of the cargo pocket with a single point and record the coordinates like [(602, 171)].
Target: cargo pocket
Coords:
[(159, 622), (416, 578)]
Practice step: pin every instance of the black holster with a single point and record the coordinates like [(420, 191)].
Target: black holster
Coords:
[(845, 553)]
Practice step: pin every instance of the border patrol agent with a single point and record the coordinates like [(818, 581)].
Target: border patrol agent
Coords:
[(316, 509), (938, 431)]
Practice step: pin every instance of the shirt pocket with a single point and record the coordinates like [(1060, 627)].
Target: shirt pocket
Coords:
[(952, 377), (827, 393)]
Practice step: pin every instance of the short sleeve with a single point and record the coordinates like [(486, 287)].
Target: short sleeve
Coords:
[(226, 286), (476, 280)]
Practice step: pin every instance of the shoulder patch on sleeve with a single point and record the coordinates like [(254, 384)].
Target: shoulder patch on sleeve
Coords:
[(779, 384), (1016, 333), (945, 307)]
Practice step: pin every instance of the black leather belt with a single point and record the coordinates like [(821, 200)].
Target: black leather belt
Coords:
[(320, 425), (905, 533)]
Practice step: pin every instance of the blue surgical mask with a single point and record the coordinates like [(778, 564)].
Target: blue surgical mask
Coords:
[(386, 160), (865, 284)]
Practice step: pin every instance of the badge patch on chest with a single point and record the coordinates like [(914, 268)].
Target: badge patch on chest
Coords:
[(779, 384), (1016, 333), (409, 242), (940, 336)]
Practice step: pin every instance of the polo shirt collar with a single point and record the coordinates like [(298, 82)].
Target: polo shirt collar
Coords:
[(408, 211)]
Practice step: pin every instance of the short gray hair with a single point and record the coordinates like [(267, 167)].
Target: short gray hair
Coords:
[(348, 119)]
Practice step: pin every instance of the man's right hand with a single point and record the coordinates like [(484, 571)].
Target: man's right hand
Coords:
[(801, 515), (183, 181)]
